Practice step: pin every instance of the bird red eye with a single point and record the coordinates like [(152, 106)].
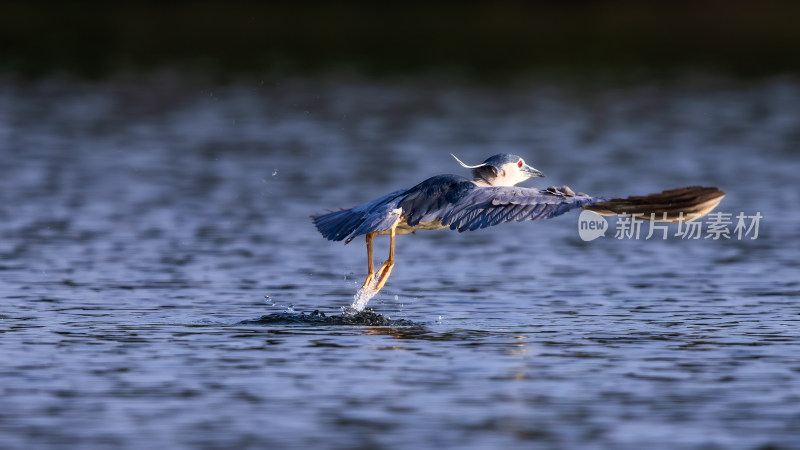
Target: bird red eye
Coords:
[(519, 164)]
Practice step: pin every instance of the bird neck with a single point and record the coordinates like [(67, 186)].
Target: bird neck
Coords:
[(494, 179), (486, 176)]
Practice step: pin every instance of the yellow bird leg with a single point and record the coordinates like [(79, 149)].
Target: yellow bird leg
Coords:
[(386, 268), (370, 264)]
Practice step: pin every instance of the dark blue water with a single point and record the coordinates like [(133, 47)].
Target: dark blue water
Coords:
[(159, 271)]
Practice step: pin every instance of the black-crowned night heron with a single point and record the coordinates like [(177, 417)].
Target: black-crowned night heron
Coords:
[(491, 198)]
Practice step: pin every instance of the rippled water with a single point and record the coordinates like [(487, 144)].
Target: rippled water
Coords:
[(160, 273)]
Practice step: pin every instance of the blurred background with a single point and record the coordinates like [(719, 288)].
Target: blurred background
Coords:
[(95, 39)]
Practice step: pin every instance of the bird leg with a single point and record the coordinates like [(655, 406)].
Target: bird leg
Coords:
[(370, 264), (386, 268)]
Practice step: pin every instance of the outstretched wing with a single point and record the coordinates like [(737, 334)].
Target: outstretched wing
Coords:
[(674, 205), (381, 214), (459, 204), (434, 195), (487, 206), (372, 216)]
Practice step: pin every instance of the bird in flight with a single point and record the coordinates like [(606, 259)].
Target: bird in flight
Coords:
[(490, 198)]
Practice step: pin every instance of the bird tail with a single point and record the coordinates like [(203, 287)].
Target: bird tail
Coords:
[(337, 225), (681, 204)]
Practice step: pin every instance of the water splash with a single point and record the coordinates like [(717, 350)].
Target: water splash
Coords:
[(363, 318), (363, 297)]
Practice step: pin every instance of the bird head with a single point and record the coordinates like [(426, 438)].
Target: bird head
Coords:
[(502, 169)]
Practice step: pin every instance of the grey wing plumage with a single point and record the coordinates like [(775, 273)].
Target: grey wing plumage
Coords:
[(488, 206), (454, 202), (433, 195), (349, 223), (420, 201)]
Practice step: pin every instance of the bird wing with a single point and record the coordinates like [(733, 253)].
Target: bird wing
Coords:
[(381, 214), (483, 207), (673, 205), (433, 195), (373, 216), (459, 204)]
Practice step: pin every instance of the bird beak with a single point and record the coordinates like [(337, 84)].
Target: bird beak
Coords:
[(531, 172)]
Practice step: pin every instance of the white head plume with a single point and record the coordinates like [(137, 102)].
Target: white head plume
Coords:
[(466, 166)]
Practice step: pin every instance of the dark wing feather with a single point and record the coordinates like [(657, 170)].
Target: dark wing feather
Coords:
[(483, 207), (433, 195), (416, 204), (459, 204), (687, 203), (372, 216)]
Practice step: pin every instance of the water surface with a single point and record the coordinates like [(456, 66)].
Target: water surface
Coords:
[(150, 224)]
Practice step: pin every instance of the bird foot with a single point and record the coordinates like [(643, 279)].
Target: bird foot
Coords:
[(383, 274), (369, 280)]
